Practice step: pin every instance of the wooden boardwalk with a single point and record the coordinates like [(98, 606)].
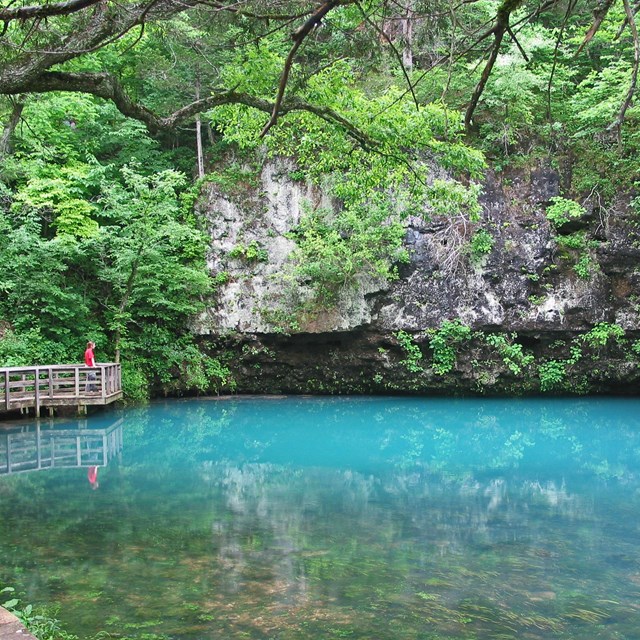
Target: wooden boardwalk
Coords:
[(59, 385)]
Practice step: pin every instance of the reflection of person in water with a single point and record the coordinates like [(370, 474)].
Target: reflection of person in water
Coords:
[(92, 476)]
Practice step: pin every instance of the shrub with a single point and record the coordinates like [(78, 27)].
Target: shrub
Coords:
[(412, 351), (512, 354), (602, 333), (563, 210), (552, 375), (480, 245), (444, 341)]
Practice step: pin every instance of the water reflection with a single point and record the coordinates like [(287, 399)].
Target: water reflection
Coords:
[(36, 447), (326, 518)]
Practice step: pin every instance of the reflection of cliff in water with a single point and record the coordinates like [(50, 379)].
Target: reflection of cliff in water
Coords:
[(286, 522), (35, 448)]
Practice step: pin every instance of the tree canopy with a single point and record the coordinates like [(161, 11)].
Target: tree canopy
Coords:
[(87, 46)]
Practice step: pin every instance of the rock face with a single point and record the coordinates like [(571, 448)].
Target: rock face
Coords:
[(535, 307)]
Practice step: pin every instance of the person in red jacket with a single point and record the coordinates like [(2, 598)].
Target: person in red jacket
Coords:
[(90, 361)]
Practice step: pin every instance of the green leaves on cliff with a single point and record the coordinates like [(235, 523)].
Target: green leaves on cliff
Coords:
[(379, 165), (495, 360)]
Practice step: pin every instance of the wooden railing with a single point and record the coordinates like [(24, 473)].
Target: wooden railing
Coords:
[(59, 385)]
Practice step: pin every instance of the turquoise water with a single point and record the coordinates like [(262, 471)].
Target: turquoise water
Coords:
[(292, 518)]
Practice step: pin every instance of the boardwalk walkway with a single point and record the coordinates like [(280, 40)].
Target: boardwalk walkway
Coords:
[(59, 385)]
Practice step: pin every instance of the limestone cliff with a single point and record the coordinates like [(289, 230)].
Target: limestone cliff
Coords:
[(538, 306)]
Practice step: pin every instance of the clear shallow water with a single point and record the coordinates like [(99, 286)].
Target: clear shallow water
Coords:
[(376, 518)]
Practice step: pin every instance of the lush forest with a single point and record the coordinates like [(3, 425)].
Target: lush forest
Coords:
[(114, 114)]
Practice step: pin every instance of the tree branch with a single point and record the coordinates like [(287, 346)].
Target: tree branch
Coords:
[(108, 87), (617, 125), (599, 15), (298, 37), (45, 10), (570, 7), (498, 30), (105, 24), (250, 14), (385, 35)]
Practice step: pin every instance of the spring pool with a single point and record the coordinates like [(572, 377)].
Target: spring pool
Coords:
[(316, 518)]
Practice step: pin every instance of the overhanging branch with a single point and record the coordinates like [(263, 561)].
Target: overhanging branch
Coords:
[(298, 38), (498, 30), (45, 10), (108, 87)]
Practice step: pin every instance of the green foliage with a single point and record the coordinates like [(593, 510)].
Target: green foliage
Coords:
[(563, 210), (334, 250), (552, 375), (235, 178), (602, 334), (39, 290), (412, 352), (29, 348), (444, 343), (62, 196), (584, 267), (136, 386), (98, 250), (575, 241), (514, 97), (219, 279), (480, 245), (511, 352), (252, 252), (377, 183), (39, 621)]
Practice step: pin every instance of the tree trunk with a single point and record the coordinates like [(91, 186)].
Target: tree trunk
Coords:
[(9, 128), (199, 135), (407, 36)]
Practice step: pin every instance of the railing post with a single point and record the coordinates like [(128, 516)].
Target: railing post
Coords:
[(77, 381), (37, 389), (7, 400), (103, 381)]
